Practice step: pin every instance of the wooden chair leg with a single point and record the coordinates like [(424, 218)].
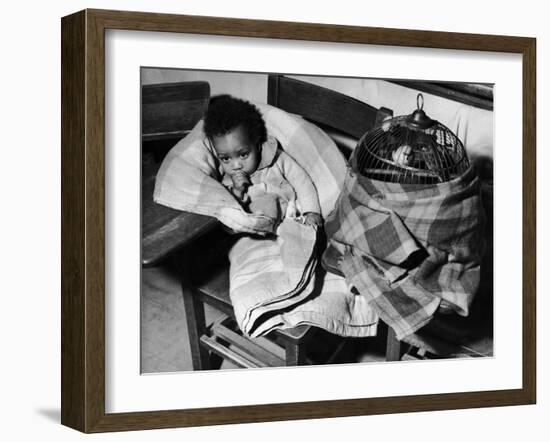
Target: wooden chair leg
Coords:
[(294, 355), (196, 327), (393, 346)]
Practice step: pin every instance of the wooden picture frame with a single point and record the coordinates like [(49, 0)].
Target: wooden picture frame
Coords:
[(83, 220)]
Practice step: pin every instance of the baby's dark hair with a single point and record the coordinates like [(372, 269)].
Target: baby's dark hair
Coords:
[(226, 113)]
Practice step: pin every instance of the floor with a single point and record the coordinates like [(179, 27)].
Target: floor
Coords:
[(165, 343)]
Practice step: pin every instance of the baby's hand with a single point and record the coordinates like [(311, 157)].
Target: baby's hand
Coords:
[(241, 195), (240, 180), (313, 219)]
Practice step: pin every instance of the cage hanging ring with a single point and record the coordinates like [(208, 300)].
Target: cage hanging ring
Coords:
[(420, 101)]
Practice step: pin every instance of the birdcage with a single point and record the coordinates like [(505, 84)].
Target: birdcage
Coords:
[(410, 149)]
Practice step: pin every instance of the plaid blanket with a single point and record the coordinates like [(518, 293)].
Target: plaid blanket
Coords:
[(409, 248)]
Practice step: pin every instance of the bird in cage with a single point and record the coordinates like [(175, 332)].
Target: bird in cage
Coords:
[(403, 155)]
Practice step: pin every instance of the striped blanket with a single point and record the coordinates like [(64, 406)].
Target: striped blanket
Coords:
[(271, 274), (409, 249), (274, 280)]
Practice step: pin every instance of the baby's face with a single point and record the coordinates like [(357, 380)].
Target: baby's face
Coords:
[(236, 152)]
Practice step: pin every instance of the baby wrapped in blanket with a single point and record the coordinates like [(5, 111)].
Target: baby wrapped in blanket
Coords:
[(260, 175), (273, 278)]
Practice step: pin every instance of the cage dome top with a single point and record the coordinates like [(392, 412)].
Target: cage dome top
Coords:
[(410, 149)]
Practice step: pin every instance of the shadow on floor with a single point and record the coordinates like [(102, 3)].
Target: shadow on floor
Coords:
[(51, 414)]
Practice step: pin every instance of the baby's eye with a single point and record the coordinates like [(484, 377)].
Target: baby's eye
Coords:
[(224, 159), (244, 155)]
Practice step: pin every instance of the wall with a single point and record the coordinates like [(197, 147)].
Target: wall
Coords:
[(30, 183)]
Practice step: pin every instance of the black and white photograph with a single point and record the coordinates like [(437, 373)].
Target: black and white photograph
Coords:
[(293, 220)]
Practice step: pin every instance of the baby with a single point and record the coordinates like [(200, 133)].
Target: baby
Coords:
[(261, 176)]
